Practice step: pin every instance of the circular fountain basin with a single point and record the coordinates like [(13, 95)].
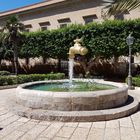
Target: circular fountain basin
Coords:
[(72, 101)]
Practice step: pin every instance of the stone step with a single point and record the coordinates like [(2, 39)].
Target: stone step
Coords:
[(77, 116)]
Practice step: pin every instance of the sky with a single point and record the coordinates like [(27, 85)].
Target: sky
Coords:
[(12, 4)]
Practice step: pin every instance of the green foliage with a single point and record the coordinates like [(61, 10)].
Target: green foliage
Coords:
[(2, 73), (11, 80), (107, 40), (7, 80), (53, 76), (117, 7), (12, 38), (135, 81)]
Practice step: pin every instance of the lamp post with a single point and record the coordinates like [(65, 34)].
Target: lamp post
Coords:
[(129, 41)]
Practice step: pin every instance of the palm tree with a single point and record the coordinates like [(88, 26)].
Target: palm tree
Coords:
[(117, 7), (12, 37)]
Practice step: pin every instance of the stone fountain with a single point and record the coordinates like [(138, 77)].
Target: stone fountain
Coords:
[(74, 106)]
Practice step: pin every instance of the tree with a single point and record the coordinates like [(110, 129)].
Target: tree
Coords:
[(117, 7), (12, 37)]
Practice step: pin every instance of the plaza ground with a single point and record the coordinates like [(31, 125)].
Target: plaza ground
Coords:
[(18, 128)]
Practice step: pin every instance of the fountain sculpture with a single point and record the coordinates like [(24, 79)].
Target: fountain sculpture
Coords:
[(76, 49)]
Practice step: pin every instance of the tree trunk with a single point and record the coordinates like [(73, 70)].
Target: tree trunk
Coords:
[(59, 65), (27, 61), (0, 62), (16, 59), (44, 60)]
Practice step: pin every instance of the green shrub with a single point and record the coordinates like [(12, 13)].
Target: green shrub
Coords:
[(30, 78), (8, 80), (11, 80), (135, 81), (4, 73), (52, 76), (107, 39)]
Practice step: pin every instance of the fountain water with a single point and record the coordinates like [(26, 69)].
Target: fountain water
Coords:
[(71, 63)]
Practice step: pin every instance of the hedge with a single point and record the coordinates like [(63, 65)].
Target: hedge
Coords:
[(12, 80), (2, 73), (107, 39), (135, 81)]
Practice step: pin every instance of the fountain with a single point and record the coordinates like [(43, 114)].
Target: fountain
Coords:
[(74, 105)]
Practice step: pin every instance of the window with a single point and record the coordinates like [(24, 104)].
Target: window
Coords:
[(89, 18), (28, 27), (64, 22), (44, 25)]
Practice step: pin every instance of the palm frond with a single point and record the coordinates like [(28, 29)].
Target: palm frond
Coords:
[(120, 6)]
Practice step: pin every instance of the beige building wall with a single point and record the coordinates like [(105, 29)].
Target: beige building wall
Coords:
[(73, 9), (55, 10)]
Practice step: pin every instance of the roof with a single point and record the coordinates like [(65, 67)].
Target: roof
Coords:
[(30, 7)]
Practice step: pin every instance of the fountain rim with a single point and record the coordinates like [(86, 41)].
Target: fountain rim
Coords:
[(119, 87)]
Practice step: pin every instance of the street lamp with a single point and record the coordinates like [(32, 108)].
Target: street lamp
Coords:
[(130, 41)]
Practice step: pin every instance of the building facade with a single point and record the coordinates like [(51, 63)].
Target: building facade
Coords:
[(53, 14)]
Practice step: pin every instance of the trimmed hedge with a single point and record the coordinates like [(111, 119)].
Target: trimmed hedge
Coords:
[(12, 80), (107, 39), (4, 73), (135, 81)]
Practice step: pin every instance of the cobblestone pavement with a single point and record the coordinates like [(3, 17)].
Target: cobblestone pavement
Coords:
[(18, 128)]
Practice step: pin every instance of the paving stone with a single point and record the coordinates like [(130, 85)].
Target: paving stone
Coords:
[(71, 124), (3, 111), (23, 119), (98, 124), (9, 120), (126, 122), (136, 116), (46, 123), (1, 137), (112, 124), (52, 130), (59, 138), (2, 108), (33, 120), (65, 132), (136, 125), (14, 135), (136, 120), (80, 133), (85, 124), (43, 139), (34, 132), (127, 134), (5, 116), (138, 134), (26, 126), (10, 128), (27, 137), (112, 134), (96, 134)]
